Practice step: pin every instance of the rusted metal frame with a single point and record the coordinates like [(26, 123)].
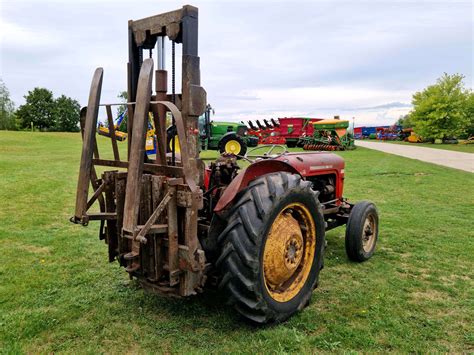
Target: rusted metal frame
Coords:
[(118, 104), (155, 228), (136, 159), (132, 103), (157, 191), (175, 171), (191, 276), (159, 114), (96, 194), (173, 257), (160, 137), (90, 125), (154, 216), (130, 118), (111, 236), (191, 224), (185, 158), (112, 132), (101, 216), (144, 212), (94, 178), (154, 25), (120, 184)]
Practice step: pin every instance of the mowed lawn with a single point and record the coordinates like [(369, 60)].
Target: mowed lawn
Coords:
[(58, 293)]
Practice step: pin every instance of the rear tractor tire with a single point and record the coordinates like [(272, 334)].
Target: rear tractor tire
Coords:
[(362, 231), (271, 251), (232, 144)]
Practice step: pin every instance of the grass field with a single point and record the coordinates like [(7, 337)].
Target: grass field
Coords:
[(58, 293), (466, 148)]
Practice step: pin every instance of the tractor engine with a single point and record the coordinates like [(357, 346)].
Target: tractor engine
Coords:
[(217, 177)]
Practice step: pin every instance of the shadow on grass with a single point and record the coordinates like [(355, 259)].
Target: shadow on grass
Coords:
[(209, 308)]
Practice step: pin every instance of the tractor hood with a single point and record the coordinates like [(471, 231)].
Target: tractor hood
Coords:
[(314, 163), (304, 164)]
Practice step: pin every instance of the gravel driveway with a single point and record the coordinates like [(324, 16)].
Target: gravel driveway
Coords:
[(456, 160)]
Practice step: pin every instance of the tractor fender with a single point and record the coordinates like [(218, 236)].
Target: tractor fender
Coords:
[(242, 180)]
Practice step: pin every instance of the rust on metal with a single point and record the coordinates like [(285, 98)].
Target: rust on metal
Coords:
[(88, 144), (149, 212), (113, 139)]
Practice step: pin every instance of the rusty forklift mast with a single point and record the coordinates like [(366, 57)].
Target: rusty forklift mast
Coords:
[(132, 214)]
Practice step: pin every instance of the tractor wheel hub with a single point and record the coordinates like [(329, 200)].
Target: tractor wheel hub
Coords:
[(284, 248)]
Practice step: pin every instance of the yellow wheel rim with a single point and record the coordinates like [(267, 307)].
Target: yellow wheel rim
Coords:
[(289, 252), (232, 147), (177, 148)]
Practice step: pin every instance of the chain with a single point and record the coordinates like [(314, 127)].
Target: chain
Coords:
[(173, 73), (173, 98)]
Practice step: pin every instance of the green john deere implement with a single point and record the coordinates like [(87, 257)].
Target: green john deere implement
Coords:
[(328, 135)]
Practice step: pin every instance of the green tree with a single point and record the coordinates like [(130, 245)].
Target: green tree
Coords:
[(470, 110), (66, 114), (441, 110), (38, 109), (7, 109), (404, 121)]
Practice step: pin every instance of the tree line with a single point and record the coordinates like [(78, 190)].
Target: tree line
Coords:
[(440, 111), (40, 111), (443, 110)]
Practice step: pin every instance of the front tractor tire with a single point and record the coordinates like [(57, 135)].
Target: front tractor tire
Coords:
[(232, 144), (272, 248), (362, 231)]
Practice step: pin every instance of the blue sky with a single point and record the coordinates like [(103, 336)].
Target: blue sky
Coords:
[(361, 59)]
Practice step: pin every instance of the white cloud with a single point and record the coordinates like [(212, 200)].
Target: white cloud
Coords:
[(317, 58), (17, 36)]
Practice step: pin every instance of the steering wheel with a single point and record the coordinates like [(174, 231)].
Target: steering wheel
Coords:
[(267, 150)]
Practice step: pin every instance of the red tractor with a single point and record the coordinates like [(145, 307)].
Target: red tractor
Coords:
[(178, 226)]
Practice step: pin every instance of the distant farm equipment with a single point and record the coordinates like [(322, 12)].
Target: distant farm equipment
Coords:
[(287, 130), (293, 128), (267, 133), (408, 135), (104, 130), (384, 133), (113, 129), (226, 137), (391, 133), (329, 135)]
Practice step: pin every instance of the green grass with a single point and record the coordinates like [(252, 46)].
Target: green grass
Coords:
[(58, 293), (465, 148)]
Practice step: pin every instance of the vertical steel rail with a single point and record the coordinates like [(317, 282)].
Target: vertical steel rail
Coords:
[(88, 144), (159, 112)]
